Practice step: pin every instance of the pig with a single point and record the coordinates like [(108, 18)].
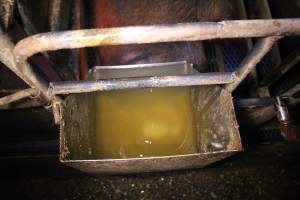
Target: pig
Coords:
[(119, 13)]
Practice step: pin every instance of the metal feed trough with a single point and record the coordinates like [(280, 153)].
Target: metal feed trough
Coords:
[(217, 132), (217, 138)]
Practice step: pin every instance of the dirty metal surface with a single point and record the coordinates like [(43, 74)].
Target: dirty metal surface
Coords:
[(216, 121), (78, 122), (140, 82), (154, 164), (139, 70), (217, 130)]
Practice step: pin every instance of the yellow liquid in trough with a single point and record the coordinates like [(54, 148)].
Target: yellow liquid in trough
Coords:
[(145, 122)]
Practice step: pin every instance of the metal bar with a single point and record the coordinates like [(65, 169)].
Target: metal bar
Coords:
[(261, 48), (249, 42), (154, 34), (77, 23), (264, 114), (141, 70), (293, 99), (254, 102), (291, 60), (30, 92), (289, 132), (9, 91), (148, 34), (26, 73), (25, 17), (145, 82), (6, 54), (7, 13), (243, 15), (260, 9), (148, 65), (22, 105), (55, 14)]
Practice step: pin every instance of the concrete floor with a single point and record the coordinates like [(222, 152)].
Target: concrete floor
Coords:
[(267, 171)]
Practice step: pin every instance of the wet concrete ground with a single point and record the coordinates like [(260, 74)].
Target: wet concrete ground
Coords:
[(269, 171)]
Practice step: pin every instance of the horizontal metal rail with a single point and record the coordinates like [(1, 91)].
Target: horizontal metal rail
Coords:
[(30, 92), (159, 33), (232, 80), (153, 34), (146, 82), (22, 105)]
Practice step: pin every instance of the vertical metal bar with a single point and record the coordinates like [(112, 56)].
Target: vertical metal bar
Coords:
[(77, 24), (7, 56), (6, 13), (55, 14), (249, 42), (260, 9), (24, 13), (261, 48)]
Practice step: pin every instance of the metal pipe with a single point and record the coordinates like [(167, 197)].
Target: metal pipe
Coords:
[(7, 13), (22, 105), (148, 34), (253, 102), (154, 34), (264, 114), (290, 61), (26, 18), (289, 132), (26, 72), (30, 92), (145, 82), (55, 14), (260, 49), (6, 54), (151, 34)]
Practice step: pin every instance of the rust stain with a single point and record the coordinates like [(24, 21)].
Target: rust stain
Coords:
[(277, 24)]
